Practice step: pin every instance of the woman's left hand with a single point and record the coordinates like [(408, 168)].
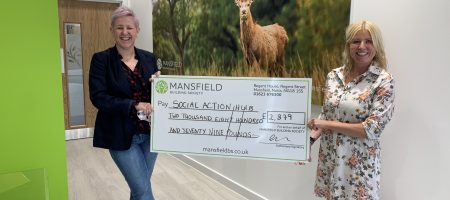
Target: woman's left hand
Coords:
[(145, 106), (155, 75)]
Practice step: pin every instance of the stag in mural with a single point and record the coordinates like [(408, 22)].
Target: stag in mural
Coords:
[(263, 46)]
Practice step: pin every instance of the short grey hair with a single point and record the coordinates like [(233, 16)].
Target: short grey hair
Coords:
[(121, 12)]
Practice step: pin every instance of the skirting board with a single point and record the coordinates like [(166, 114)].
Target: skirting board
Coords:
[(227, 182), (74, 134)]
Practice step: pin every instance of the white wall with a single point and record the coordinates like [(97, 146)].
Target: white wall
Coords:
[(416, 144), (416, 148), (143, 10)]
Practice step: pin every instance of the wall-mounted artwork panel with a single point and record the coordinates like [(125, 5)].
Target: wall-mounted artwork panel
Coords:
[(256, 38)]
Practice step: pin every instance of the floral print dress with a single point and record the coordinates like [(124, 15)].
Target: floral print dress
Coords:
[(349, 167)]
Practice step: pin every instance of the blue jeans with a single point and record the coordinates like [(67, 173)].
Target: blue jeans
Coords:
[(136, 165)]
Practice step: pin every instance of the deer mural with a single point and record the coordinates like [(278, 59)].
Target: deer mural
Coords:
[(263, 46)]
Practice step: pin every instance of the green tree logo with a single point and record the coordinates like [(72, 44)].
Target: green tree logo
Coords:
[(161, 87)]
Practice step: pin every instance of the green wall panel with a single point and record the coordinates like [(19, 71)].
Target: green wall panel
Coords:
[(31, 102)]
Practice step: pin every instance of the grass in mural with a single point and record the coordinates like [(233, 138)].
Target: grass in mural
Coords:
[(297, 69)]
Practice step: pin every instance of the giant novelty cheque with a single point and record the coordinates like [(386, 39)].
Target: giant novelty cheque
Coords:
[(241, 117)]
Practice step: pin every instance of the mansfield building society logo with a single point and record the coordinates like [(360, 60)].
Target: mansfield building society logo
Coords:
[(163, 87)]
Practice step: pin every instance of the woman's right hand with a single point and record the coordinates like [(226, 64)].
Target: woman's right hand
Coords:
[(315, 131), (314, 134)]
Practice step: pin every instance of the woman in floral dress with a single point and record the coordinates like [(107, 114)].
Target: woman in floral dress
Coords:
[(359, 103)]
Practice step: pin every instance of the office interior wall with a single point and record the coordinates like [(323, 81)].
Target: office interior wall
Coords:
[(415, 148), (31, 103), (143, 10)]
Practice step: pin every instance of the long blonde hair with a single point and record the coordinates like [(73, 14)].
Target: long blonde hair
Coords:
[(375, 33)]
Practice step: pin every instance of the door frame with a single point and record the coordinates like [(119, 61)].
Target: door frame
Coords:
[(82, 131)]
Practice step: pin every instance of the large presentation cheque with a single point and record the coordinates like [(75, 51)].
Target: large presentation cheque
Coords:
[(260, 118)]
